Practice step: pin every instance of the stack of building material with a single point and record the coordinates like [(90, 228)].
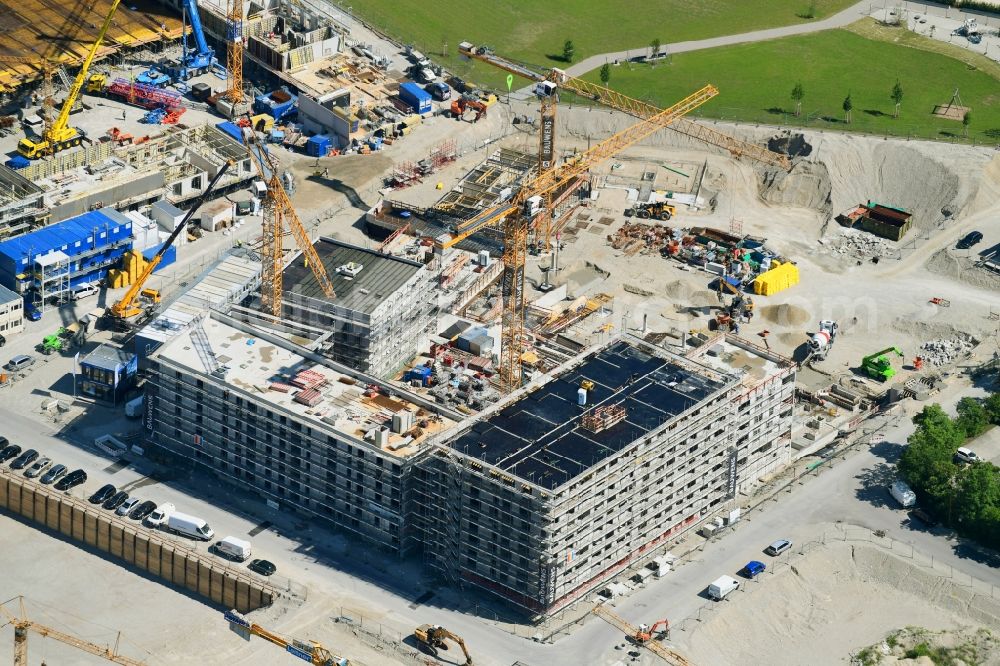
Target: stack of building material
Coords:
[(603, 418), (778, 278), (309, 397), (308, 379)]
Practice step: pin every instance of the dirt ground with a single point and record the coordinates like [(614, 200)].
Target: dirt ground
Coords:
[(808, 612)]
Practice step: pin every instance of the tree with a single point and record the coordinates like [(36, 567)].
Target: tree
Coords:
[(654, 47), (966, 120), (992, 406), (973, 418), (568, 51), (605, 73), (848, 105), (798, 92), (897, 97)]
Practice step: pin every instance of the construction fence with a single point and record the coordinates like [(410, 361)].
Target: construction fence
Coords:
[(143, 549)]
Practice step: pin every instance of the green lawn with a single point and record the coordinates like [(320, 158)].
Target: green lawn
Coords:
[(533, 31), (755, 83)]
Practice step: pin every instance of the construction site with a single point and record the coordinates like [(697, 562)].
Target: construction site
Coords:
[(473, 379)]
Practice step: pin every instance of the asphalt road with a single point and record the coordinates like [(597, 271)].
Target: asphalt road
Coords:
[(851, 490)]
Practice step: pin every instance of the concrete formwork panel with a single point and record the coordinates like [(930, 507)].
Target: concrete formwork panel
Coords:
[(154, 558), (192, 570), (90, 529), (115, 540), (141, 552), (53, 513)]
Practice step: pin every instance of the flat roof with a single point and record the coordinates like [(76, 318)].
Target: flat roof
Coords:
[(734, 355), (265, 371), (8, 296), (380, 277), (107, 357), (540, 437)]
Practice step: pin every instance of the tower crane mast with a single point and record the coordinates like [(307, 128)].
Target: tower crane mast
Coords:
[(22, 625), (278, 211), (516, 218)]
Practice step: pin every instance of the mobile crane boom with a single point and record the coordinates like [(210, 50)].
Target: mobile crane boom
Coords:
[(126, 308), (310, 651), (60, 135)]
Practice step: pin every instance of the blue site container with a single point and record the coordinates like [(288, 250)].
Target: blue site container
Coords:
[(99, 238), (420, 373), (277, 103), (318, 146), (169, 257), (418, 98), (232, 129)]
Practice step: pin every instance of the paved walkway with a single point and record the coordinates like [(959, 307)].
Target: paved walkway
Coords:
[(839, 20), (845, 17)]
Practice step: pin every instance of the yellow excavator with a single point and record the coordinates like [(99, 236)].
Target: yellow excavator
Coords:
[(59, 135), (433, 637)]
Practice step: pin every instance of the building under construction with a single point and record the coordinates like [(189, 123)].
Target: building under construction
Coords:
[(175, 165), (565, 484), (36, 35)]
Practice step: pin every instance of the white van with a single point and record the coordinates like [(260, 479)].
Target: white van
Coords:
[(722, 586), (903, 494), (233, 549), (84, 290)]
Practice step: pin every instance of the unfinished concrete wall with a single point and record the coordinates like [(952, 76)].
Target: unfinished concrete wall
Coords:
[(144, 549)]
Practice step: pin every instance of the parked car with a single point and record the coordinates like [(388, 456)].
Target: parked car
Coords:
[(40, 466), (103, 495), (263, 567), (3, 441), (969, 240), (922, 516), (55, 473), (9, 451), (143, 510), (160, 515), (31, 312), (753, 569), (903, 494), (778, 547), (966, 455), (24, 459), (115, 500), (19, 362), (127, 505), (71, 480)]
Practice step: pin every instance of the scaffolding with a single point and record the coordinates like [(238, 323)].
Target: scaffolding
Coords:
[(52, 279), (603, 418)]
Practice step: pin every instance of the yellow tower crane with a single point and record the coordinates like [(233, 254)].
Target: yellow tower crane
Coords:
[(22, 625), (642, 635), (547, 87), (234, 52), (278, 211), (516, 216), (59, 135), (310, 651)]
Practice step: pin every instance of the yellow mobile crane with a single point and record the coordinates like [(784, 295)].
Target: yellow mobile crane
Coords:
[(515, 218), (310, 651), (59, 135), (22, 625), (126, 307)]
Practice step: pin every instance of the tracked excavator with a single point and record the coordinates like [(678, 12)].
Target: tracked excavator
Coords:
[(434, 638)]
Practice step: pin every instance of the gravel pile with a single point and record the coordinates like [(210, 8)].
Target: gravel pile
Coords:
[(945, 350), (862, 245)]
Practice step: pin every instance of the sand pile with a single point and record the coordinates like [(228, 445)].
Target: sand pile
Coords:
[(943, 262), (806, 186), (808, 613), (784, 314), (917, 646)]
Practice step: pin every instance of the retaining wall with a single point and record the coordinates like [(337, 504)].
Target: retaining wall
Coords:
[(144, 549)]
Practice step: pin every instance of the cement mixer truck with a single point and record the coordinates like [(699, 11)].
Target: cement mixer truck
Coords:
[(822, 340)]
